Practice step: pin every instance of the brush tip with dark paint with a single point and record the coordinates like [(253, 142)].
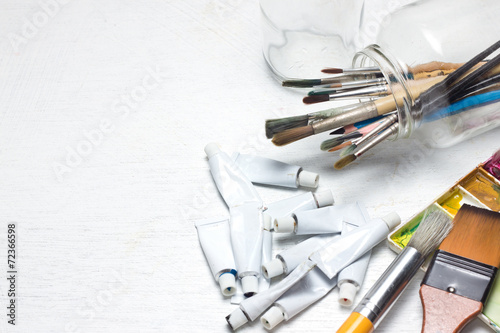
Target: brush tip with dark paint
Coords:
[(332, 70), (316, 98), (301, 83), (292, 135)]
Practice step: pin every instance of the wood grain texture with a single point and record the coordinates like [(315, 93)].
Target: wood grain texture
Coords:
[(111, 246), (445, 312)]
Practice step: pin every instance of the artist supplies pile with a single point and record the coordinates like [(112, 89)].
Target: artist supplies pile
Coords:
[(238, 248), (461, 95)]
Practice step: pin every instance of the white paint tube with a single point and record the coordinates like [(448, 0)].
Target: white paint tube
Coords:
[(215, 240), (262, 170), (339, 253), (324, 220), (245, 209), (254, 306), (287, 260), (351, 278), (267, 254), (314, 286), (301, 202)]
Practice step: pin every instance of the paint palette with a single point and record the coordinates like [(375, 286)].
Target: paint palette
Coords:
[(481, 188)]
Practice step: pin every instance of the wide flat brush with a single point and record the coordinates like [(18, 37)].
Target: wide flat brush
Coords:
[(462, 271), (384, 293)]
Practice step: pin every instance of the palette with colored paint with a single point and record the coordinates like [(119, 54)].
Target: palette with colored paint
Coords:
[(478, 188)]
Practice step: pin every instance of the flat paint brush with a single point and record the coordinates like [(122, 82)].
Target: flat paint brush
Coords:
[(278, 125), (331, 143), (366, 110), (344, 161), (384, 293), (462, 271)]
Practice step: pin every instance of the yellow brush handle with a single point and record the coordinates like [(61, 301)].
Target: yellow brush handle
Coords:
[(356, 323)]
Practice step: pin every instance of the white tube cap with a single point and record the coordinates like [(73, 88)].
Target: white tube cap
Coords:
[(272, 317), (236, 319), (211, 149), (392, 220), (250, 285), (347, 292), (324, 198), (308, 179), (267, 221), (227, 284), (284, 224), (273, 268)]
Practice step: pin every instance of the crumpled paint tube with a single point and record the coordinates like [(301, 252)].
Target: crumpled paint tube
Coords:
[(262, 170), (245, 209), (253, 307), (306, 292), (215, 240)]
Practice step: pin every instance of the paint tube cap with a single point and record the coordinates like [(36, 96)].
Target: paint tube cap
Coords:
[(267, 221), (211, 149), (236, 319), (347, 292), (272, 318), (227, 284), (273, 268), (392, 220), (308, 179), (250, 285), (324, 198), (284, 224)]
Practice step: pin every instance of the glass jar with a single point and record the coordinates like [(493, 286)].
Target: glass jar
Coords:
[(303, 37), (425, 32)]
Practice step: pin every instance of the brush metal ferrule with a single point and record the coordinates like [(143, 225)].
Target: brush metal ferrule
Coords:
[(390, 285), (391, 130), (363, 112), (461, 276)]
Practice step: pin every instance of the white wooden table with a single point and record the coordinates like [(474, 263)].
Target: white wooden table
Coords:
[(105, 108)]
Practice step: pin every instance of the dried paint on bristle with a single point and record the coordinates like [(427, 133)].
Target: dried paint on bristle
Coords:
[(301, 83), (431, 232), (475, 235), (340, 146), (348, 150), (274, 126), (343, 162), (292, 135), (332, 70), (316, 99)]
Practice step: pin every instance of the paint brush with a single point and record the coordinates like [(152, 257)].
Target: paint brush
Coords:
[(332, 143), (462, 271), (278, 125), (384, 293), (350, 71), (342, 145), (344, 161), (364, 111), (356, 126), (308, 83), (352, 84), (371, 91), (389, 120)]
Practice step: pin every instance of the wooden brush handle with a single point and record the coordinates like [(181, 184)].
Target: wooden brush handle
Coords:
[(445, 312)]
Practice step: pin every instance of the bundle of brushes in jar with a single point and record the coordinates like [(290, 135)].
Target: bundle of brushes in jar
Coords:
[(463, 95)]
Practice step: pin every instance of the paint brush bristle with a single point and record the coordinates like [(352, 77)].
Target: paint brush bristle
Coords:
[(431, 232), (332, 70), (274, 126), (345, 144), (316, 99), (292, 135), (299, 83), (331, 143), (475, 235), (348, 150), (343, 162)]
